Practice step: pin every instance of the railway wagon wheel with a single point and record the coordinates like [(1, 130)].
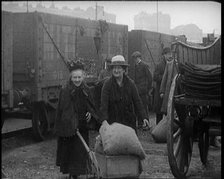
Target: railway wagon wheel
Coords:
[(39, 121), (180, 142)]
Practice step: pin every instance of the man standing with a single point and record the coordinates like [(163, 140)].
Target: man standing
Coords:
[(168, 75), (157, 77), (143, 80)]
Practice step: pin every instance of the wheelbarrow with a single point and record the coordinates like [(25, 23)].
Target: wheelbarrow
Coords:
[(108, 167)]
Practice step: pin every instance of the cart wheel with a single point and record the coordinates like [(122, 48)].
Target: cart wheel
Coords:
[(203, 143), (39, 121), (179, 143)]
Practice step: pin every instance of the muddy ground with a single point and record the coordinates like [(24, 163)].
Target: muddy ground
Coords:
[(22, 158)]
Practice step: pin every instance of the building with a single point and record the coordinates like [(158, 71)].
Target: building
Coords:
[(89, 13), (191, 31), (145, 21)]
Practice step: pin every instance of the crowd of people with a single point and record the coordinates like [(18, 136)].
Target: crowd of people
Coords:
[(123, 100)]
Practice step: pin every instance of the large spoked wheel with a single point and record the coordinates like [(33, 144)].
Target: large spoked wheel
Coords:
[(39, 121), (180, 141), (203, 143)]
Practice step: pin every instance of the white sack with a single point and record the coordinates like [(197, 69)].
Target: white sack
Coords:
[(120, 139)]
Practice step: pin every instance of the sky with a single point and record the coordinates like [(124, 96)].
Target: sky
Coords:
[(205, 14)]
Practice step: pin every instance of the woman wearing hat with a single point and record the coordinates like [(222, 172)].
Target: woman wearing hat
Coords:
[(119, 98), (74, 111)]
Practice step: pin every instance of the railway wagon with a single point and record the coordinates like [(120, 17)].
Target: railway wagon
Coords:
[(6, 63), (40, 43), (150, 44), (6, 60)]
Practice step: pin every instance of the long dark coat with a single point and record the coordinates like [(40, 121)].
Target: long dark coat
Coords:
[(119, 104), (157, 77), (74, 103), (142, 78), (169, 73), (68, 116)]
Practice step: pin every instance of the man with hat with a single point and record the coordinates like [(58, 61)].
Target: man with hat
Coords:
[(157, 77), (120, 101), (143, 80), (168, 75), (74, 111)]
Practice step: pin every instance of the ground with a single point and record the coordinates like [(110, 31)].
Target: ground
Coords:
[(22, 158)]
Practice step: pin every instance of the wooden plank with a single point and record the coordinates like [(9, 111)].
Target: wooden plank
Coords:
[(15, 124), (217, 53), (207, 56), (199, 102), (185, 54), (211, 55), (190, 55), (181, 56), (199, 57), (194, 56), (204, 60)]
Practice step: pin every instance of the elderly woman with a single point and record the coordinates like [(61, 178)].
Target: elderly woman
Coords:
[(74, 112), (119, 98)]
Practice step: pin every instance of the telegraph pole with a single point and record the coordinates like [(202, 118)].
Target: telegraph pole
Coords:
[(157, 16), (26, 6), (96, 10)]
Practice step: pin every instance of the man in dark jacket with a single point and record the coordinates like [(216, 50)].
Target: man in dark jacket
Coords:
[(119, 98), (157, 77), (143, 80)]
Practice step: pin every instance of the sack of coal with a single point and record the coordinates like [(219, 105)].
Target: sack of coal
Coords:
[(159, 132), (119, 139)]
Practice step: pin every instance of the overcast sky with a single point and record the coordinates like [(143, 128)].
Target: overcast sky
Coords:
[(205, 14)]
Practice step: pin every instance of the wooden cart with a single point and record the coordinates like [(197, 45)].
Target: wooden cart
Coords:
[(191, 114), (111, 167)]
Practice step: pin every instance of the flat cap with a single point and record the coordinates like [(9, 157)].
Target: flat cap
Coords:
[(136, 54)]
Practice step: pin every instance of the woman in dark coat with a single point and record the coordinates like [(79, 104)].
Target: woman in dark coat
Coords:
[(74, 111), (120, 99)]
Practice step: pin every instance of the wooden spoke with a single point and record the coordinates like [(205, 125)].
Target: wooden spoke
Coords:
[(179, 142)]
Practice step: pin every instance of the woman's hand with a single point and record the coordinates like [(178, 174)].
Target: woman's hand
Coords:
[(88, 116), (145, 123)]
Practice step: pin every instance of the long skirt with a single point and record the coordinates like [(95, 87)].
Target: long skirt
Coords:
[(72, 156)]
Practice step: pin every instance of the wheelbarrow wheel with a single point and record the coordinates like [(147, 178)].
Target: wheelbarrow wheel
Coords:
[(180, 141), (39, 121), (203, 143)]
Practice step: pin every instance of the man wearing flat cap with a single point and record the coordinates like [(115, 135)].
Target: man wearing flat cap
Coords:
[(143, 80), (120, 101), (157, 77)]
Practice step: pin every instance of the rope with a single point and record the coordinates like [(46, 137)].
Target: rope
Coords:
[(52, 40)]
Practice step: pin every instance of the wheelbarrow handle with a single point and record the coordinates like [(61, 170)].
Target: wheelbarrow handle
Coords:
[(91, 154), (83, 141)]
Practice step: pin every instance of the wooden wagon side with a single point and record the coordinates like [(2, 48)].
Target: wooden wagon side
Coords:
[(39, 72), (190, 113)]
